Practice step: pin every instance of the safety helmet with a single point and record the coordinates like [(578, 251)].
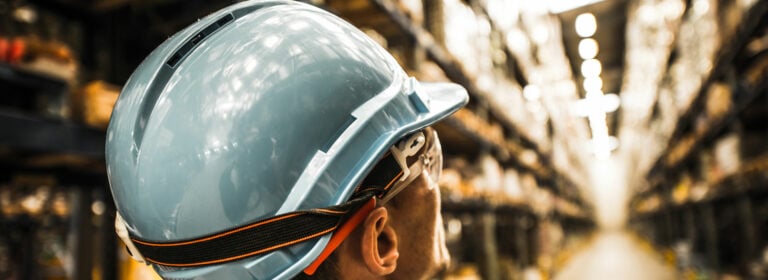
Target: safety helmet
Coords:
[(260, 109)]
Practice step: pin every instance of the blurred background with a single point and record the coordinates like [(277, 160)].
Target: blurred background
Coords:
[(615, 139)]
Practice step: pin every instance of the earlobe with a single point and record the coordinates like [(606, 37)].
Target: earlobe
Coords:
[(379, 243)]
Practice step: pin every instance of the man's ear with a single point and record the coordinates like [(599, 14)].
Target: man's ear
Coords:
[(379, 243)]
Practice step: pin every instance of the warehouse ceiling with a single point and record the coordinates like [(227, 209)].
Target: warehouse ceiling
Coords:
[(611, 19)]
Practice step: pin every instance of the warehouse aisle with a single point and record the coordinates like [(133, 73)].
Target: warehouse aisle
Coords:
[(616, 255)]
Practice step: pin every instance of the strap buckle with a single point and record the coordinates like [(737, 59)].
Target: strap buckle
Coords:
[(122, 232), (406, 149)]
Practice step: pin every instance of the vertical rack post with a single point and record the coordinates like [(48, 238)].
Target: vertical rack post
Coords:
[(710, 235), (490, 269)]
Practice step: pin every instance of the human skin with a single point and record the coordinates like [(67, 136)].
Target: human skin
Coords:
[(403, 239)]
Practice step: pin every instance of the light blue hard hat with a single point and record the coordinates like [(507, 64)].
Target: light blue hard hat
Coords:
[(259, 109)]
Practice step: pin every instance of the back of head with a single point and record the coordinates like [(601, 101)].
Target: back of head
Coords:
[(260, 109)]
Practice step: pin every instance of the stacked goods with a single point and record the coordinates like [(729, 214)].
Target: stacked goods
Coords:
[(719, 99), (727, 154), (48, 57), (93, 103), (488, 181), (467, 37)]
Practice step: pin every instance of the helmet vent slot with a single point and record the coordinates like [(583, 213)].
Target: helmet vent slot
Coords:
[(199, 37), (165, 73), (225, 19)]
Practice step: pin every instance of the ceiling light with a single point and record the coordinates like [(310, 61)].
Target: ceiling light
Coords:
[(588, 48), (540, 34), (610, 102), (602, 146), (586, 25), (531, 92), (25, 14), (596, 103), (591, 68), (700, 7), (593, 84)]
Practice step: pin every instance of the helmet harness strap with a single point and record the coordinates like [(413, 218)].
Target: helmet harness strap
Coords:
[(287, 229)]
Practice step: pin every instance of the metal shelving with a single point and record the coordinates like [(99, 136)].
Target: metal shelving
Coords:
[(669, 163), (724, 225), (31, 133), (37, 145)]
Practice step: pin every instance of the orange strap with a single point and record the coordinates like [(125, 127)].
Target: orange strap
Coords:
[(341, 234)]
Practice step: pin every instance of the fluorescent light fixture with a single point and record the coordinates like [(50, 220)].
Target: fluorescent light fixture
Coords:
[(609, 142), (540, 34), (588, 48), (602, 146), (700, 7), (593, 84), (610, 103), (591, 68), (596, 104), (586, 25), (531, 92), (559, 6)]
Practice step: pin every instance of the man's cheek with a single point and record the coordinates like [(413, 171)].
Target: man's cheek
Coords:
[(444, 257)]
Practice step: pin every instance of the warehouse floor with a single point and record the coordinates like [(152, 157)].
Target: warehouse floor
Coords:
[(617, 255)]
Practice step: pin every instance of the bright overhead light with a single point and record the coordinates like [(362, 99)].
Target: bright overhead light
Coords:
[(700, 7), (559, 6), (25, 14), (610, 142), (610, 102), (596, 103), (531, 92), (586, 25), (591, 68), (602, 146), (593, 84), (540, 34), (588, 48)]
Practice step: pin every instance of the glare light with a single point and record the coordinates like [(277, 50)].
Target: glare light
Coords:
[(610, 102), (701, 7), (594, 95), (586, 25), (540, 34), (591, 68), (610, 142), (593, 84), (25, 14), (602, 146), (596, 104), (98, 207), (531, 92), (588, 48)]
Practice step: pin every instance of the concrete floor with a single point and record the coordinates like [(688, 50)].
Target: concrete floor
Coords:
[(616, 255)]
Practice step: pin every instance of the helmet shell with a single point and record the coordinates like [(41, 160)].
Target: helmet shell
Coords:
[(262, 108)]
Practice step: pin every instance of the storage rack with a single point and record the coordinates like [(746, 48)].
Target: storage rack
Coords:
[(684, 134), (72, 155), (726, 226)]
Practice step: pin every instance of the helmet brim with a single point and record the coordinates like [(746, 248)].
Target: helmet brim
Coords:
[(444, 99)]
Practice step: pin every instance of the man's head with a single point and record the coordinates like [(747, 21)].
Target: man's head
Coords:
[(248, 144), (403, 238)]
